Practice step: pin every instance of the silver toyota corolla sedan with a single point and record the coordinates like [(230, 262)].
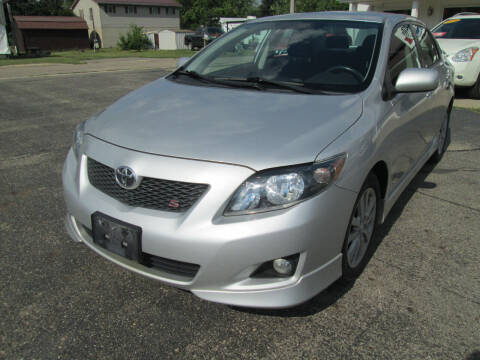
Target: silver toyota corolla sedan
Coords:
[(257, 172)]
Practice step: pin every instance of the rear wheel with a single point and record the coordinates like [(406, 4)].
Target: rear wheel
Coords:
[(443, 139), (361, 229)]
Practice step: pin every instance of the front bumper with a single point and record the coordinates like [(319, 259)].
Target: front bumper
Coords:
[(466, 73), (228, 249)]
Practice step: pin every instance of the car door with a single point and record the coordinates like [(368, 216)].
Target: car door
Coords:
[(437, 100), (404, 110)]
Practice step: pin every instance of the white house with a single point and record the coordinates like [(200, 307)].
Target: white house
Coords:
[(429, 11), (110, 19)]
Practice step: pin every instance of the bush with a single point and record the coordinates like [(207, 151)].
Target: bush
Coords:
[(135, 39)]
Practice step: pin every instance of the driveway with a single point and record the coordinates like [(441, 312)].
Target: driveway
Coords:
[(419, 297), (29, 71)]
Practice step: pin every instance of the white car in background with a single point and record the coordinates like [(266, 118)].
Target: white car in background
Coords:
[(459, 38)]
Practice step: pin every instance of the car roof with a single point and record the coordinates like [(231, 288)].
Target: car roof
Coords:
[(368, 16), (464, 15)]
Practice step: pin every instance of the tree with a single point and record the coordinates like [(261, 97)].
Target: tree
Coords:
[(40, 8), (135, 39), (207, 12), (266, 8), (283, 6)]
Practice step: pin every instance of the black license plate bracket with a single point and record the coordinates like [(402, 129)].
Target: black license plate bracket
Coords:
[(119, 237)]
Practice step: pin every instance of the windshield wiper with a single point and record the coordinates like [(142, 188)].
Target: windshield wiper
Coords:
[(293, 86), (255, 82), (194, 75), (208, 79)]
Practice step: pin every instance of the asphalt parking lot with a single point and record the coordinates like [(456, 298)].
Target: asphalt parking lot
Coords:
[(419, 297)]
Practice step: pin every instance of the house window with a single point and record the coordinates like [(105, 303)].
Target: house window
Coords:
[(170, 11), (82, 14), (91, 13), (154, 10), (109, 9), (130, 9)]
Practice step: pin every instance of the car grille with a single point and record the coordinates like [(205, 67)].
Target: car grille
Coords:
[(171, 266), (157, 194)]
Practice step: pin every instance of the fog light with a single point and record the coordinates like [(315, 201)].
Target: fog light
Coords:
[(279, 268), (283, 266), (459, 77)]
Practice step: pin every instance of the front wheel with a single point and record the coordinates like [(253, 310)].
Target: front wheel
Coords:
[(474, 91), (361, 229)]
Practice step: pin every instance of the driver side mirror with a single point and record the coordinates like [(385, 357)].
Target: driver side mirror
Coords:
[(182, 61), (417, 80)]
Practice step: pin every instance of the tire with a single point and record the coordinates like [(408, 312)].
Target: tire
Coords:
[(474, 91), (444, 139), (361, 229)]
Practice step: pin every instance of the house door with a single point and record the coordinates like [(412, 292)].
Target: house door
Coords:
[(155, 37)]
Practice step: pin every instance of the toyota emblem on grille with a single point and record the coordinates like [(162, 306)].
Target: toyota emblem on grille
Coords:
[(126, 177)]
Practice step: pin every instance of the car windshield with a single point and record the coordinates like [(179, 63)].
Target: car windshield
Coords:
[(458, 29), (315, 55)]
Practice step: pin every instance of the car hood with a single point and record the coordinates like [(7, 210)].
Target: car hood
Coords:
[(258, 129), (452, 46)]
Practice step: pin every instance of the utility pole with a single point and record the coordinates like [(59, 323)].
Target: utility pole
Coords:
[(292, 6)]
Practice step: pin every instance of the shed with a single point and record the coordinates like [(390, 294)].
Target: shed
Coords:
[(172, 39), (50, 33), (230, 23)]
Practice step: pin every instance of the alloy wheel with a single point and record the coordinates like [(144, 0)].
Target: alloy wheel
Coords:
[(361, 227)]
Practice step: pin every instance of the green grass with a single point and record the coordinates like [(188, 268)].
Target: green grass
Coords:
[(80, 57), (466, 108)]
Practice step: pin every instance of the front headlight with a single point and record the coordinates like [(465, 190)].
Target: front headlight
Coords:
[(283, 187), (78, 138), (465, 54)]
